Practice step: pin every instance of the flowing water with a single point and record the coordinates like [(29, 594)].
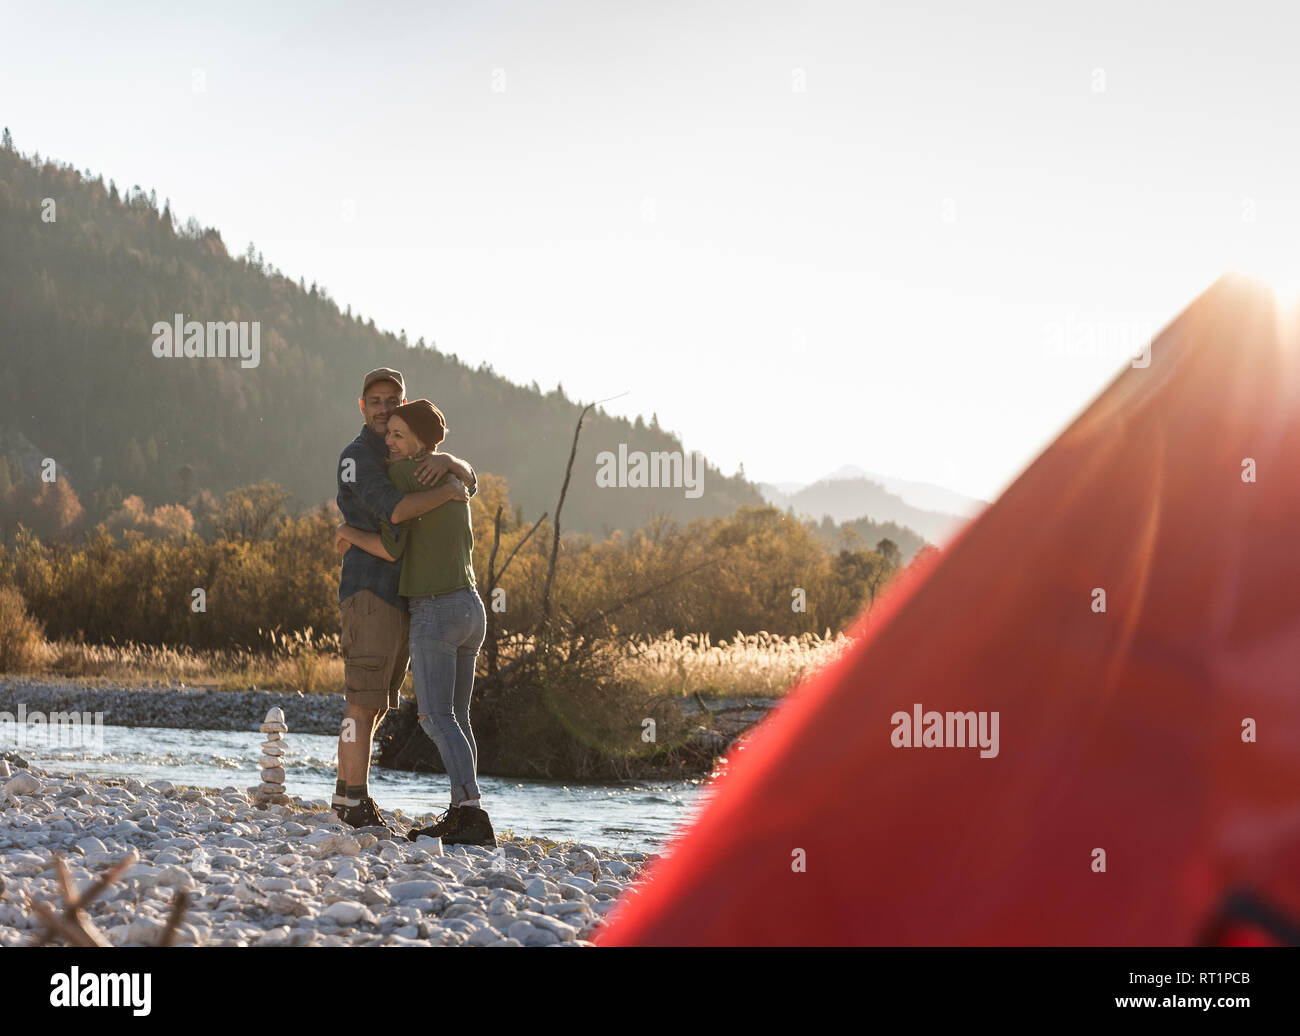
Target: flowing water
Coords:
[(626, 815)]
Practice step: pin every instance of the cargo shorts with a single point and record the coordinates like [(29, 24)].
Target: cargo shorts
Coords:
[(376, 649)]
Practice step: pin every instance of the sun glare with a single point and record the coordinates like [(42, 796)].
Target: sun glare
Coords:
[(1279, 267), (1282, 276)]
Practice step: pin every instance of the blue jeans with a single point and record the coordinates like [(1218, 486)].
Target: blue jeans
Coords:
[(446, 633)]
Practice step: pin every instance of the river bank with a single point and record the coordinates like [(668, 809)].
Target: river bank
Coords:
[(693, 732), (288, 875), (174, 705)]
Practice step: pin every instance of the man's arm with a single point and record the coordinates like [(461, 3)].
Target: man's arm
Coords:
[(434, 466), (387, 547), (423, 501)]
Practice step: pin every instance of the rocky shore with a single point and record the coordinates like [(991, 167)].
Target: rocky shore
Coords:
[(173, 706), (290, 875)]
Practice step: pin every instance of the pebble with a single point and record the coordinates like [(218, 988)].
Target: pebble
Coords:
[(346, 911), (403, 891), (287, 876), (22, 784)]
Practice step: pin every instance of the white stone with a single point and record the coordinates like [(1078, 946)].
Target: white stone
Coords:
[(273, 775), (346, 911), (275, 715), (345, 845), (4, 768), (22, 784), (536, 889), (558, 928), (273, 747), (430, 844), (404, 891), (176, 877), (145, 930), (144, 875), (567, 910), (273, 728), (271, 760)]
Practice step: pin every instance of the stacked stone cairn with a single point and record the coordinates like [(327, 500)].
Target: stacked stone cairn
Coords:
[(271, 790)]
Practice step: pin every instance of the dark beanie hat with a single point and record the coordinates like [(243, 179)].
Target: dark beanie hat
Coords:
[(424, 419)]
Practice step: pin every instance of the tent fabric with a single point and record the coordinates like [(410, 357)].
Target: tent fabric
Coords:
[(1123, 730)]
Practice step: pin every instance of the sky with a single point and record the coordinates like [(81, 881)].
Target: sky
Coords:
[(804, 235)]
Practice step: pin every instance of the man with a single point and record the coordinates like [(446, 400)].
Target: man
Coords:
[(375, 622)]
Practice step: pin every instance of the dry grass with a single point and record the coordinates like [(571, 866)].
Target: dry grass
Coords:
[(294, 662), (759, 665)]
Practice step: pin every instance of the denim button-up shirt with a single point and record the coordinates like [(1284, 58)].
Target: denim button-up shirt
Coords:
[(365, 497)]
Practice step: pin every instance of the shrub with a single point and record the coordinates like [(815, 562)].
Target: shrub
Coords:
[(22, 640)]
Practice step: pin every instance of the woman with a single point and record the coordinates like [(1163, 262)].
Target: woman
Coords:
[(448, 621)]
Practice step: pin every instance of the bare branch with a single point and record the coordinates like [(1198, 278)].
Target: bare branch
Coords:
[(520, 544), (72, 931), (496, 541), (180, 900), (564, 489), (74, 925)]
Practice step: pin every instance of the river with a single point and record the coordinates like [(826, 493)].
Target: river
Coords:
[(627, 815)]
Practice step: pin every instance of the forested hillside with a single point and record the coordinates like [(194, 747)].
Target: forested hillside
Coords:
[(86, 271)]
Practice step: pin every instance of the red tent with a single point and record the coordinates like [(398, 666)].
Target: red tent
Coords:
[(1163, 730)]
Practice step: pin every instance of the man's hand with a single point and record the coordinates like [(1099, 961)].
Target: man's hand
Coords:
[(432, 468), (341, 543), (455, 490)]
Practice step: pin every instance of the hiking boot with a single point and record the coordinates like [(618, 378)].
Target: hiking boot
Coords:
[(438, 828), (364, 814), (470, 826)]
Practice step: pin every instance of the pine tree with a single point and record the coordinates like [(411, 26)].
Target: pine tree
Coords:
[(137, 470), (7, 141)]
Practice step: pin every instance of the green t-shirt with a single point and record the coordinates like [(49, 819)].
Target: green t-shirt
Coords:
[(437, 548)]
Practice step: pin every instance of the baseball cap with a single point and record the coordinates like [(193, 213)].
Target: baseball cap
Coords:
[(382, 373)]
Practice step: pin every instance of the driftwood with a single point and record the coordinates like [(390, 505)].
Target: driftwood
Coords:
[(73, 925)]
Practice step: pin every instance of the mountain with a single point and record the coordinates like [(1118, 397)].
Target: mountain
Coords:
[(91, 282), (924, 495), (848, 499)]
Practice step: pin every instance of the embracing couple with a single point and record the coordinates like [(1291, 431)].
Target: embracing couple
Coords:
[(407, 592)]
